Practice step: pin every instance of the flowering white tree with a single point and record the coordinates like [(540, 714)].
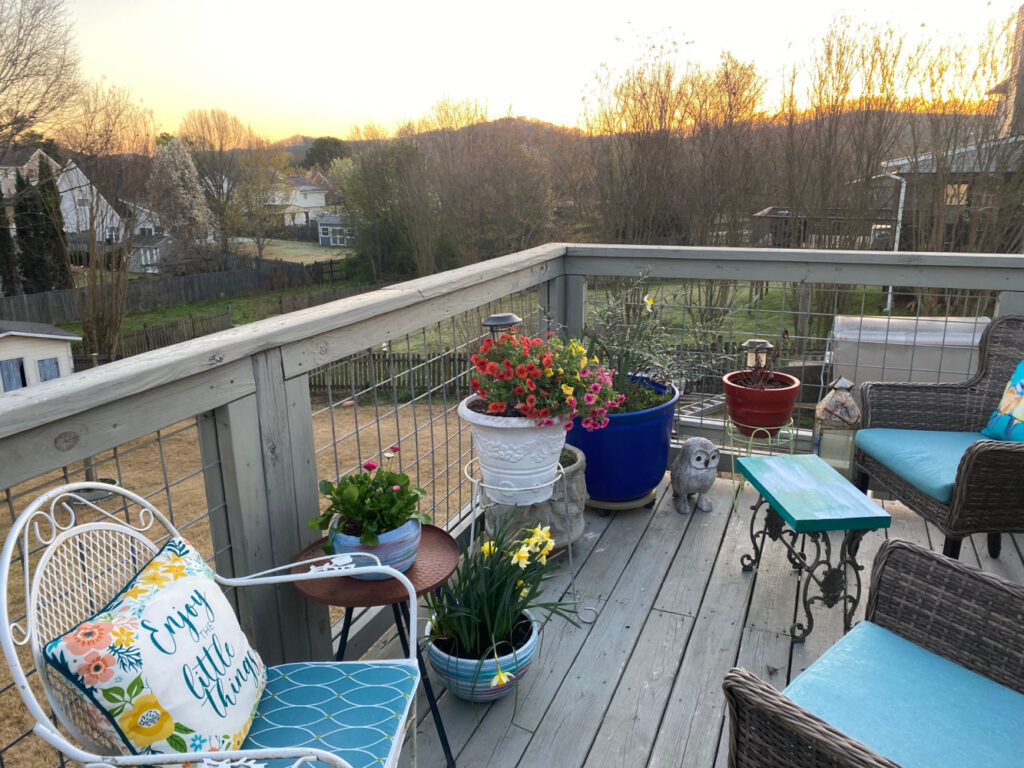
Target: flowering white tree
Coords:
[(177, 199)]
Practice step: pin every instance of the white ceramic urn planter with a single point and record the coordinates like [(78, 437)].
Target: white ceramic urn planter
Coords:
[(514, 453)]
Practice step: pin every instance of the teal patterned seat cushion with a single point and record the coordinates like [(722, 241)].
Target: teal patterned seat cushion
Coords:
[(352, 709)]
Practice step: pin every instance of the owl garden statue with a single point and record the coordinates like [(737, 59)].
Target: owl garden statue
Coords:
[(693, 474)]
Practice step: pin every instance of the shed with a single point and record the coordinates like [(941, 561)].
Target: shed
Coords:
[(31, 353)]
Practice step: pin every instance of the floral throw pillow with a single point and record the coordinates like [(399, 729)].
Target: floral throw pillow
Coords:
[(165, 662), (1007, 420)]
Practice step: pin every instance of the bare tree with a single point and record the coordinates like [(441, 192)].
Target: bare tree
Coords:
[(38, 65), (215, 138), (260, 193), (109, 140)]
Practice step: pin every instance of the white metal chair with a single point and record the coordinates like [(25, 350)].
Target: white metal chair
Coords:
[(69, 557)]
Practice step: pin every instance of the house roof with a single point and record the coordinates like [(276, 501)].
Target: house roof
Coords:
[(303, 184), (995, 156), (35, 330), (149, 241), (16, 157)]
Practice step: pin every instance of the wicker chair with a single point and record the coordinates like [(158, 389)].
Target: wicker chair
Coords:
[(971, 617), (67, 563), (987, 496)]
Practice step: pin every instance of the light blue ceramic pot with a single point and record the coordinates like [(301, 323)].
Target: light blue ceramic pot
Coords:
[(396, 548), (470, 679)]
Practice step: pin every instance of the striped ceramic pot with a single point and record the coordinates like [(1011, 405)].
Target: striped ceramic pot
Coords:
[(396, 548), (470, 679)]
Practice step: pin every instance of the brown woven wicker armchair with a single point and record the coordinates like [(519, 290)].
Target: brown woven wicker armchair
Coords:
[(971, 617), (988, 495)]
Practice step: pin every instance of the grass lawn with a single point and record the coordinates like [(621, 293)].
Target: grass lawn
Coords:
[(293, 250)]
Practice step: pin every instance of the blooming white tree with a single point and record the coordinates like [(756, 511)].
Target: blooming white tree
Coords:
[(177, 199)]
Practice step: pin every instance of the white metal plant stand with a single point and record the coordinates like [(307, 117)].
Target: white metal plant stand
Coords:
[(478, 506)]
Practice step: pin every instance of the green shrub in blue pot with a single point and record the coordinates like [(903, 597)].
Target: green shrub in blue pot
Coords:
[(374, 511), (627, 459)]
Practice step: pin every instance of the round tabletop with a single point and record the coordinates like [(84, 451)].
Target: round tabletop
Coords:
[(436, 559)]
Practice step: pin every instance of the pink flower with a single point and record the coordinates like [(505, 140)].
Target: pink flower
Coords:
[(396, 487), (370, 466), (588, 398), (393, 449), (96, 668), (596, 387), (584, 373), (88, 636), (567, 425)]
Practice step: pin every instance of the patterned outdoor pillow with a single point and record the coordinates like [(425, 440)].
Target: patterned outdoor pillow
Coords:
[(1005, 423), (165, 662)]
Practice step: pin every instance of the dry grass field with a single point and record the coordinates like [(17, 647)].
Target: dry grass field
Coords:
[(293, 250)]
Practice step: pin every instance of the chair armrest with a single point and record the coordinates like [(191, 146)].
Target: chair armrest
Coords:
[(901, 405), (987, 493), (971, 617), (768, 730)]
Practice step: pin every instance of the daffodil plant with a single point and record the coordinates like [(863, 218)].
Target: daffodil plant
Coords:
[(478, 613)]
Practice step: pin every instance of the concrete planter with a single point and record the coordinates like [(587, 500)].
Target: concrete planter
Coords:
[(552, 511)]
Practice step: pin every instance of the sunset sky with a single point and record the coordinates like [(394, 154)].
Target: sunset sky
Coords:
[(319, 67)]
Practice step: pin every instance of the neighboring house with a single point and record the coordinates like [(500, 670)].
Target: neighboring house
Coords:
[(31, 353), (333, 230), (23, 160), (86, 210), (300, 201)]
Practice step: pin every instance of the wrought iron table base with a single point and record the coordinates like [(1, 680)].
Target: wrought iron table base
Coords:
[(833, 585)]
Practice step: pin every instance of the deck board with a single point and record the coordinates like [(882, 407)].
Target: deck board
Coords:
[(641, 686)]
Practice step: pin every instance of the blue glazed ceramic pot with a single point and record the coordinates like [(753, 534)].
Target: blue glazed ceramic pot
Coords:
[(396, 548), (627, 459), (470, 679)]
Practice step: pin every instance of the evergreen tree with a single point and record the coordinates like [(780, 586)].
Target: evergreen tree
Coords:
[(41, 242), (54, 240), (9, 282)]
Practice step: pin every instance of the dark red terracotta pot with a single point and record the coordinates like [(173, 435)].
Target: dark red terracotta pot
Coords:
[(760, 411)]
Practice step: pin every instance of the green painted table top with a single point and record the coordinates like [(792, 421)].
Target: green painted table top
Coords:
[(810, 495)]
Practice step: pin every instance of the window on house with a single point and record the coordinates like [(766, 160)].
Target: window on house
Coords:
[(145, 231), (49, 368), (325, 231), (33, 174), (82, 202), (113, 235), (12, 373), (956, 194)]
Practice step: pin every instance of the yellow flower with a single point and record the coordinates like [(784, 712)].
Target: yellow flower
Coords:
[(174, 570), (583, 362), (522, 557), (595, 359), (649, 302), (487, 548), (502, 678), (153, 577), (136, 591), (549, 372), (146, 722), (567, 390), (123, 637)]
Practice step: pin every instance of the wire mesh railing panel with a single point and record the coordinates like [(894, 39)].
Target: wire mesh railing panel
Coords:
[(166, 468), (819, 331)]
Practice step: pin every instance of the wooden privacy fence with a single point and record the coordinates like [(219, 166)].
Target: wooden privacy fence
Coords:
[(414, 373), (156, 336), (153, 293)]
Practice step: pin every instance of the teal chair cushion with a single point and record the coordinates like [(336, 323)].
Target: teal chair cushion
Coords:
[(352, 709), (927, 460), (910, 705)]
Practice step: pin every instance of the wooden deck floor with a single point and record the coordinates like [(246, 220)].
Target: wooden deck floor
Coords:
[(641, 685)]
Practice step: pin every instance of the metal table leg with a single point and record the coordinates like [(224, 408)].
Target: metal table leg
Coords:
[(401, 611)]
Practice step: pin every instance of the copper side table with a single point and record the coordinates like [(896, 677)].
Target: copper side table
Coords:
[(436, 560)]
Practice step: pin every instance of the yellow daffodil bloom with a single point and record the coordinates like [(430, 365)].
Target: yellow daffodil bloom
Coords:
[(502, 678), (487, 548), (522, 557), (648, 303)]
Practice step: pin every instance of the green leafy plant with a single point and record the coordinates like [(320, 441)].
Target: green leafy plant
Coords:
[(626, 332), (476, 613), (367, 504)]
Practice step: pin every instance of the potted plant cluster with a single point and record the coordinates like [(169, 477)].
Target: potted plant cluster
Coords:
[(483, 628), (759, 399), (528, 392), (626, 461), (375, 512)]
